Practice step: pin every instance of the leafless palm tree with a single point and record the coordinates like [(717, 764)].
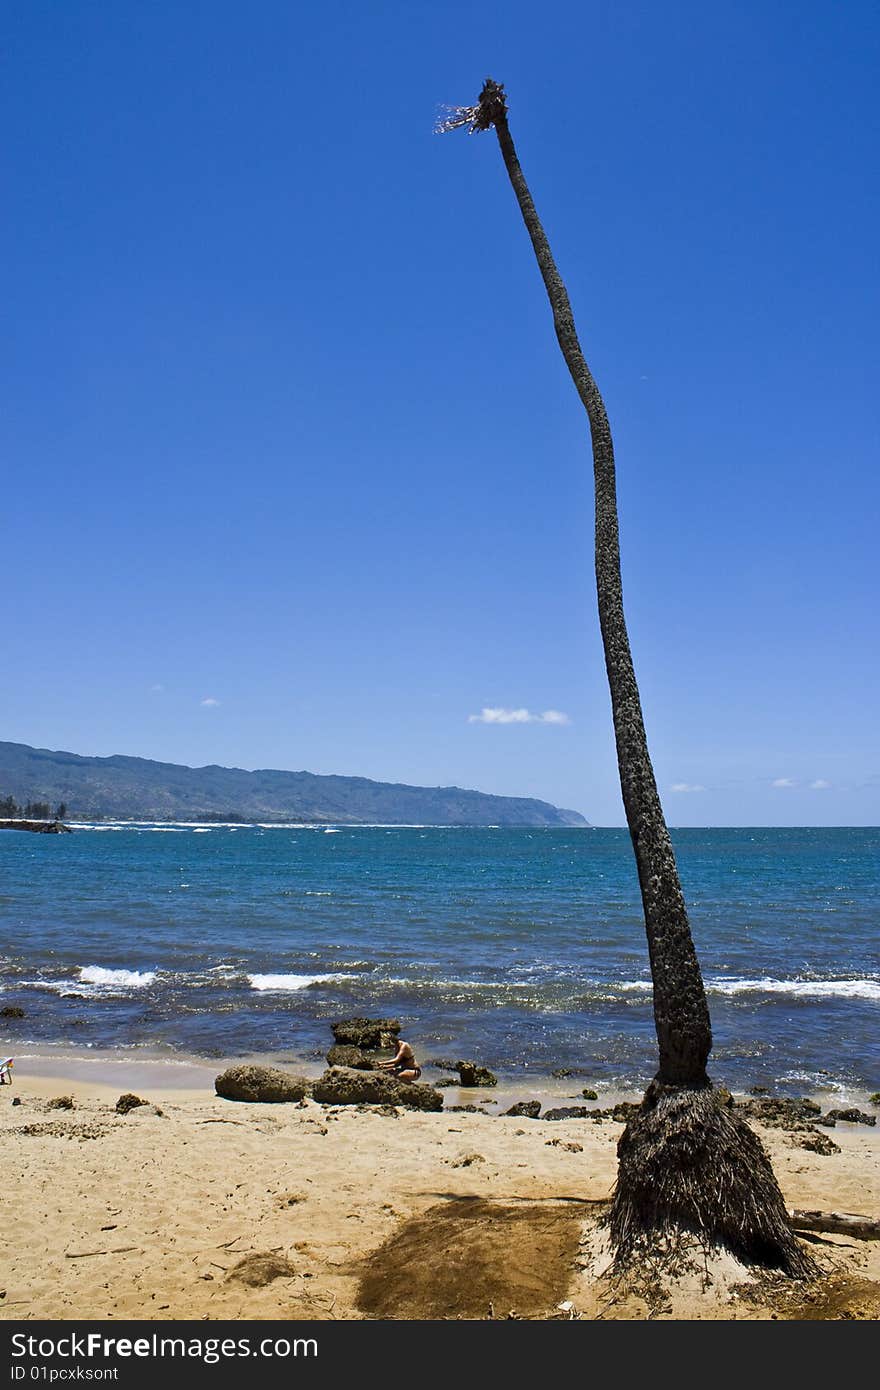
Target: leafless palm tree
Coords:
[(688, 1166)]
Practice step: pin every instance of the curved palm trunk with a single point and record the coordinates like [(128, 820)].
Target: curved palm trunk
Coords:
[(687, 1164), (681, 1014)]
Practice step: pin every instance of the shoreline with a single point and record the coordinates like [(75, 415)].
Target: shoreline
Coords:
[(99, 1071), (91, 1070)]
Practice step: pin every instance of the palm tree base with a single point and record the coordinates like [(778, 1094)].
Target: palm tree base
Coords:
[(690, 1170)]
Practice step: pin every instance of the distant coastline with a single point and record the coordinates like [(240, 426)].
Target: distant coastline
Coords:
[(141, 789)]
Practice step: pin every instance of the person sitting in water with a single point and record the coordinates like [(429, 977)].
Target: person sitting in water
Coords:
[(404, 1064)]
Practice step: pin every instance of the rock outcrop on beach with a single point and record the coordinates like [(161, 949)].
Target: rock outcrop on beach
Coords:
[(817, 1143), (528, 1109), (781, 1112), (797, 1117), (345, 1086), (851, 1115), (566, 1112), (254, 1083), (622, 1112), (343, 1055), (128, 1102)]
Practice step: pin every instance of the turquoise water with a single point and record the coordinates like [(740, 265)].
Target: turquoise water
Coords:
[(523, 948)]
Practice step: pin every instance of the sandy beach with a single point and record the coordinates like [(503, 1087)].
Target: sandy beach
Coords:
[(358, 1212)]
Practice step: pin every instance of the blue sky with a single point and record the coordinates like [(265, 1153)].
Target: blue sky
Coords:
[(285, 427)]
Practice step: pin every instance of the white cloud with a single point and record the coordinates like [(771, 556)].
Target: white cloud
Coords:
[(499, 715), (554, 716), (157, 689), (687, 787), (209, 702), (820, 785), (784, 782)]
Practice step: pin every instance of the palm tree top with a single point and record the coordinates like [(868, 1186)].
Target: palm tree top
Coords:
[(491, 107)]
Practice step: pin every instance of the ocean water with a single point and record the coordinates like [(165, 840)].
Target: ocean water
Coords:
[(522, 948)]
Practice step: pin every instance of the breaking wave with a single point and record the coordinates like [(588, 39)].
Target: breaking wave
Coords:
[(290, 982), (807, 989)]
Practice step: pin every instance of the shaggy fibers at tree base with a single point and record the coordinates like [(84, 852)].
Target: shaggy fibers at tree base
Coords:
[(690, 1167)]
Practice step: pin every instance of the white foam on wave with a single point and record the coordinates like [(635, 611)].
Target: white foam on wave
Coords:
[(95, 981), (806, 989), (408, 982), (127, 979), (290, 982), (63, 988), (285, 825)]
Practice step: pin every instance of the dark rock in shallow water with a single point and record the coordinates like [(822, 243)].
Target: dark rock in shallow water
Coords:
[(758, 1091), (442, 1064), (345, 1055), (447, 1081), (851, 1116), (12, 1011), (874, 1099), (472, 1075), (44, 827), (562, 1072), (252, 1083), (365, 1033), (531, 1109), (129, 1101), (471, 1109), (567, 1112), (588, 1094), (345, 1086)]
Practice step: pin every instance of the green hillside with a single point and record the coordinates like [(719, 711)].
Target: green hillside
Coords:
[(140, 789)]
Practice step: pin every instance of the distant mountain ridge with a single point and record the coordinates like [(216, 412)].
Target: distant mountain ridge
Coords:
[(125, 788)]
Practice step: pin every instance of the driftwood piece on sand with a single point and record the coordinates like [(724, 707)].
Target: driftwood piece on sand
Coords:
[(841, 1223)]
